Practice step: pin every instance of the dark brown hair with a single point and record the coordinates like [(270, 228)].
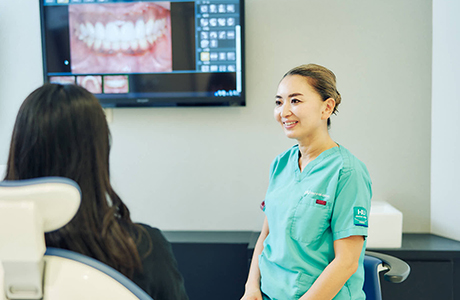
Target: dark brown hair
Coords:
[(322, 80), (61, 130)]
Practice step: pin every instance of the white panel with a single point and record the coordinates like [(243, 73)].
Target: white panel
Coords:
[(445, 159)]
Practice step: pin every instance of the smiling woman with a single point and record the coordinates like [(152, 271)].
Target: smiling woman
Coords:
[(321, 81), (300, 109), (314, 234)]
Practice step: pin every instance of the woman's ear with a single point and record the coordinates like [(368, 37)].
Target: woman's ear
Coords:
[(328, 108)]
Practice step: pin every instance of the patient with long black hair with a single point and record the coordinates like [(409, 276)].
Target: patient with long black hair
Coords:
[(61, 130)]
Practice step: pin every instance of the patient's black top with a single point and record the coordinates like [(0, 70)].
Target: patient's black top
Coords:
[(160, 277)]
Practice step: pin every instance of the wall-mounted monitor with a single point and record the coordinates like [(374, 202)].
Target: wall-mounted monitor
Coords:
[(147, 53)]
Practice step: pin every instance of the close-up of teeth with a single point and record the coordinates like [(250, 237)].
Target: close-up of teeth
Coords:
[(120, 37), (124, 36), (115, 83)]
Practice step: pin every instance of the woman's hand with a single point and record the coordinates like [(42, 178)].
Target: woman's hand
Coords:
[(252, 295)]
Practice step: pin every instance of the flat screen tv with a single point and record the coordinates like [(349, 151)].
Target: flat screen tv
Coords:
[(147, 53)]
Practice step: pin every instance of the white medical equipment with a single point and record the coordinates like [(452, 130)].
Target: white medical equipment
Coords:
[(385, 226), (28, 209)]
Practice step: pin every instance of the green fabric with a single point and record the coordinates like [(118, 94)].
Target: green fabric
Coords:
[(306, 212)]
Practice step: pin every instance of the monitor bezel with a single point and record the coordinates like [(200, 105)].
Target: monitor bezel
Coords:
[(186, 101)]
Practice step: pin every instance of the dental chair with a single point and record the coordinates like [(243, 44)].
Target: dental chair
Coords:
[(28, 209), (396, 271)]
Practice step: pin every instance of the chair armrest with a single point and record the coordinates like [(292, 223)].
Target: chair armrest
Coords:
[(399, 270)]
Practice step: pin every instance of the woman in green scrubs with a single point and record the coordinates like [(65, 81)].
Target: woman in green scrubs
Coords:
[(314, 235)]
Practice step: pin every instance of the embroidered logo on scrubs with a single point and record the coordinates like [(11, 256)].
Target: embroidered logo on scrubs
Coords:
[(360, 216), (308, 192), (262, 205)]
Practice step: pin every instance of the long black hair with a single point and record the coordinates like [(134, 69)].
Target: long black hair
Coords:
[(61, 130)]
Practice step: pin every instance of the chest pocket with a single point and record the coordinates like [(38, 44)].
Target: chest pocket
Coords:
[(310, 220)]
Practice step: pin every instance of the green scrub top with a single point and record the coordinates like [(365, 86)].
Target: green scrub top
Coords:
[(306, 212)]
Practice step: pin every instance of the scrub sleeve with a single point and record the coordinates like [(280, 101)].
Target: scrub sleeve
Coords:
[(349, 216)]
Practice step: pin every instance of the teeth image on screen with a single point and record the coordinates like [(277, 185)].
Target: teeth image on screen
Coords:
[(122, 37)]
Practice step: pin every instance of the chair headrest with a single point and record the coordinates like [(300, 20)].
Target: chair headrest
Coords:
[(57, 199)]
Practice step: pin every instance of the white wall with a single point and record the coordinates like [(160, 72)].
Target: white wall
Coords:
[(207, 168), (20, 62), (445, 145)]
